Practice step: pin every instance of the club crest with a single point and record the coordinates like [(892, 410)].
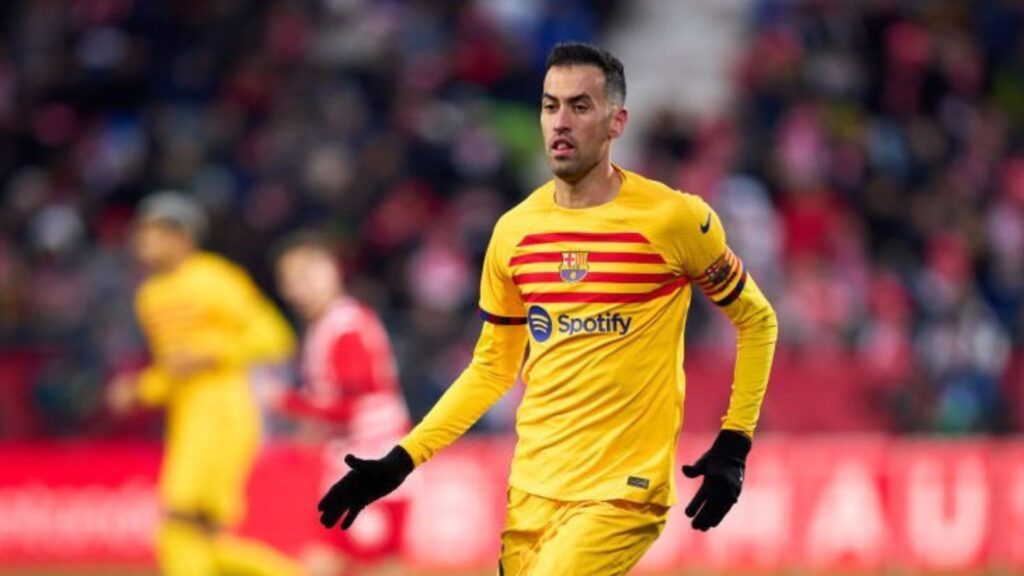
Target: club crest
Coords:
[(574, 266)]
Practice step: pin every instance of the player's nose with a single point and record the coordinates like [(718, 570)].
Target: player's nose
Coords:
[(561, 121)]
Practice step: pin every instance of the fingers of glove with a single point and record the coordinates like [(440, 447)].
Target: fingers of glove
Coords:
[(698, 468), (698, 500), (353, 462), (339, 497), (713, 512), (719, 512), (329, 499), (704, 518), (702, 521), (329, 515), (332, 505), (352, 513)]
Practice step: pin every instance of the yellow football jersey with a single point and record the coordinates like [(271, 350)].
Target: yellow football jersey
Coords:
[(603, 294), (209, 306)]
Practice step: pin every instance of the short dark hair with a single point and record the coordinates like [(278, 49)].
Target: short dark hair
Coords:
[(304, 240), (581, 53), (178, 210)]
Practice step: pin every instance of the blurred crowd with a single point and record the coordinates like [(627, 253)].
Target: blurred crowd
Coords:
[(874, 176), (403, 128), (871, 174)]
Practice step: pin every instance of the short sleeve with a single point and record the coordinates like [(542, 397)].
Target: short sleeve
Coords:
[(500, 299), (706, 257)]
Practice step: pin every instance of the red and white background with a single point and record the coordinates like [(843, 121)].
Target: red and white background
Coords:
[(859, 503)]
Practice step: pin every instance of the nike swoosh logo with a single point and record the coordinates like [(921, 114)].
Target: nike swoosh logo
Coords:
[(706, 225)]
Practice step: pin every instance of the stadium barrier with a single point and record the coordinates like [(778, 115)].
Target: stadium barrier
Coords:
[(817, 502)]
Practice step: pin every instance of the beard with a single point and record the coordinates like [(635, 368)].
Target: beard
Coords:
[(571, 170)]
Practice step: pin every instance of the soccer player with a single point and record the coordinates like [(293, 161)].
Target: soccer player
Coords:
[(206, 324), (594, 272), (349, 395)]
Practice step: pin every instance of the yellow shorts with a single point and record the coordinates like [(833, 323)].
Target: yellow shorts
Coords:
[(545, 537), (212, 441)]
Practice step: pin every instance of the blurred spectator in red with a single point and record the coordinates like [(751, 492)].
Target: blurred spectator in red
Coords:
[(349, 397)]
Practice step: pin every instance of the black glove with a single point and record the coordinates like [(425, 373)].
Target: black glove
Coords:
[(722, 468), (369, 480)]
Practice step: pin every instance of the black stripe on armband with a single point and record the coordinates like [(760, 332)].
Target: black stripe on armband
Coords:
[(735, 291), (501, 320)]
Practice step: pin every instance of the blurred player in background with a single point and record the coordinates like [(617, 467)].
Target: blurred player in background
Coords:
[(349, 395), (206, 324), (594, 270)]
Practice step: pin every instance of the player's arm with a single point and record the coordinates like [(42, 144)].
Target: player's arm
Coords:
[(352, 380), (739, 297), (153, 384), (723, 278), (266, 337), (491, 373), (126, 391), (263, 335), (298, 406), (496, 360)]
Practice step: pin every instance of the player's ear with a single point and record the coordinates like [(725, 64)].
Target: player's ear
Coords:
[(618, 122)]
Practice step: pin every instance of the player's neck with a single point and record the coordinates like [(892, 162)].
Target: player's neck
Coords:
[(599, 186), (172, 262), (324, 305)]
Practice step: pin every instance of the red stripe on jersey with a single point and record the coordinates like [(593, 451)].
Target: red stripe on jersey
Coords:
[(604, 297), (623, 257), (616, 277), (550, 237)]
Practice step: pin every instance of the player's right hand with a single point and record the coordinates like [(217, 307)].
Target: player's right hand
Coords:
[(120, 394), (369, 480)]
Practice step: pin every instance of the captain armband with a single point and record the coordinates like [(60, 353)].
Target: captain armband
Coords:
[(724, 279)]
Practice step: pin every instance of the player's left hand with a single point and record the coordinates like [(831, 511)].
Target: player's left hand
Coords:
[(368, 481), (182, 364), (722, 468)]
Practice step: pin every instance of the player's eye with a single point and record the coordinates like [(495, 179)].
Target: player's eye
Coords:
[(549, 107), (581, 108)]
